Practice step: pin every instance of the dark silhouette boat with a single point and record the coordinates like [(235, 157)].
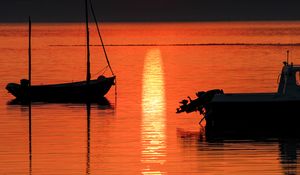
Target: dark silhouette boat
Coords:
[(88, 90), (251, 113), (76, 91)]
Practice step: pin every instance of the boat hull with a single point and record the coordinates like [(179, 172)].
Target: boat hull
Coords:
[(277, 118), (75, 91)]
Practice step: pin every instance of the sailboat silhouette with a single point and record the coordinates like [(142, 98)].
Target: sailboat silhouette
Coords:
[(88, 90)]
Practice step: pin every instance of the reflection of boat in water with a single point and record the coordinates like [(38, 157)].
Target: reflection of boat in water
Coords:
[(252, 113), (88, 139), (243, 152), (289, 156), (100, 103), (90, 89)]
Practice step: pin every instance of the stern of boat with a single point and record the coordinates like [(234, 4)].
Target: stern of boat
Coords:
[(14, 89)]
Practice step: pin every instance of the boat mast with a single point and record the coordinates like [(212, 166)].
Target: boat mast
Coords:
[(88, 73), (29, 53)]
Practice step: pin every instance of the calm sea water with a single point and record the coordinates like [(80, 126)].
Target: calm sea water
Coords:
[(139, 132)]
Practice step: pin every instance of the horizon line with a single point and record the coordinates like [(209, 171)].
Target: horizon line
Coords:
[(180, 44)]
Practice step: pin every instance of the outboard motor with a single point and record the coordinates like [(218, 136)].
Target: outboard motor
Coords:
[(199, 104)]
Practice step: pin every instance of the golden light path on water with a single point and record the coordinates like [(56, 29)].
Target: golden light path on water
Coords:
[(153, 114)]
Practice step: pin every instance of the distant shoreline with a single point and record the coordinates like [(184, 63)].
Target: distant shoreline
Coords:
[(150, 21)]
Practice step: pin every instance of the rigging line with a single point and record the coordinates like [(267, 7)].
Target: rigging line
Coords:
[(102, 70), (102, 43)]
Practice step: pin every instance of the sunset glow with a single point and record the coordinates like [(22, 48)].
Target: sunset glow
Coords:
[(153, 113), (139, 132)]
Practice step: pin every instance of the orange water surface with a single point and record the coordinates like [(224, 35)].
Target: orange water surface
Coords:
[(157, 65)]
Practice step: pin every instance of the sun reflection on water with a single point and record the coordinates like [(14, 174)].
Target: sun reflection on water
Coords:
[(153, 112)]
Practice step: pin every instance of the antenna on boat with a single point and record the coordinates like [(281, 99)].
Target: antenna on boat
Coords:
[(88, 73), (287, 56), (29, 52)]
